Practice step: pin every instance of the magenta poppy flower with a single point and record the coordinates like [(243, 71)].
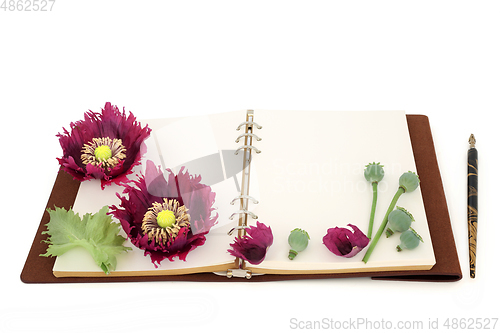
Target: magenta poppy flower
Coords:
[(166, 218), (345, 243), (104, 146), (253, 246)]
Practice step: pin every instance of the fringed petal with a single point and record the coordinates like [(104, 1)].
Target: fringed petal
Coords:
[(253, 246), (344, 242), (110, 123), (151, 188)]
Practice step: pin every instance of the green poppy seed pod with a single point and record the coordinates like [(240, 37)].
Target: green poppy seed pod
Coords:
[(409, 181), (409, 240), (374, 172), (399, 220), (298, 240)]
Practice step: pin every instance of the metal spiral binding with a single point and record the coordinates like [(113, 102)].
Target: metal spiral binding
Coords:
[(247, 147), (247, 134), (251, 123), (240, 227), (239, 273), (244, 198), (243, 211)]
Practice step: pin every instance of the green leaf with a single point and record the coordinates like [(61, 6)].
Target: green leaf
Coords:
[(94, 232)]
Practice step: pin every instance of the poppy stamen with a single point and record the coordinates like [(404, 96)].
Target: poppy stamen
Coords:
[(103, 151)]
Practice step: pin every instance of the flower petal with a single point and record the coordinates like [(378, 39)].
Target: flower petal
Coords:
[(253, 246), (358, 238), (157, 185), (261, 234), (200, 200), (153, 187), (345, 243), (109, 123)]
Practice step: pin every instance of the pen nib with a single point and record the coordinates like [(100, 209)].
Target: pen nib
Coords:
[(472, 141)]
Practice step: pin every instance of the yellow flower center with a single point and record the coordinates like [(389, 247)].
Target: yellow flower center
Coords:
[(103, 153), (165, 219)]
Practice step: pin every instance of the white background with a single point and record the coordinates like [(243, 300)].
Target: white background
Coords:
[(160, 59)]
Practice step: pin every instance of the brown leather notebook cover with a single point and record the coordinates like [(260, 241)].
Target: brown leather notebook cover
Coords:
[(447, 268)]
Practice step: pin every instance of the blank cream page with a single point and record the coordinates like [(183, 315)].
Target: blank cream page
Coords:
[(310, 175)]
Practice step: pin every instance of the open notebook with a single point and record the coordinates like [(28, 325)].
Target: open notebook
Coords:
[(306, 172)]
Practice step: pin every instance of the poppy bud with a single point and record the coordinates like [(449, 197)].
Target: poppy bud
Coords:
[(409, 240), (298, 241)]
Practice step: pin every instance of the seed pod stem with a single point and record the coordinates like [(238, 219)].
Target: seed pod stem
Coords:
[(380, 230), (374, 206), (292, 254), (374, 172)]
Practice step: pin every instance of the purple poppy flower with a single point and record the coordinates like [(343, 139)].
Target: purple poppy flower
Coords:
[(345, 243), (166, 218), (253, 246), (104, 146)]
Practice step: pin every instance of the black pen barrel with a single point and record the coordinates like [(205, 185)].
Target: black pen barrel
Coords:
[(472, 207)]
